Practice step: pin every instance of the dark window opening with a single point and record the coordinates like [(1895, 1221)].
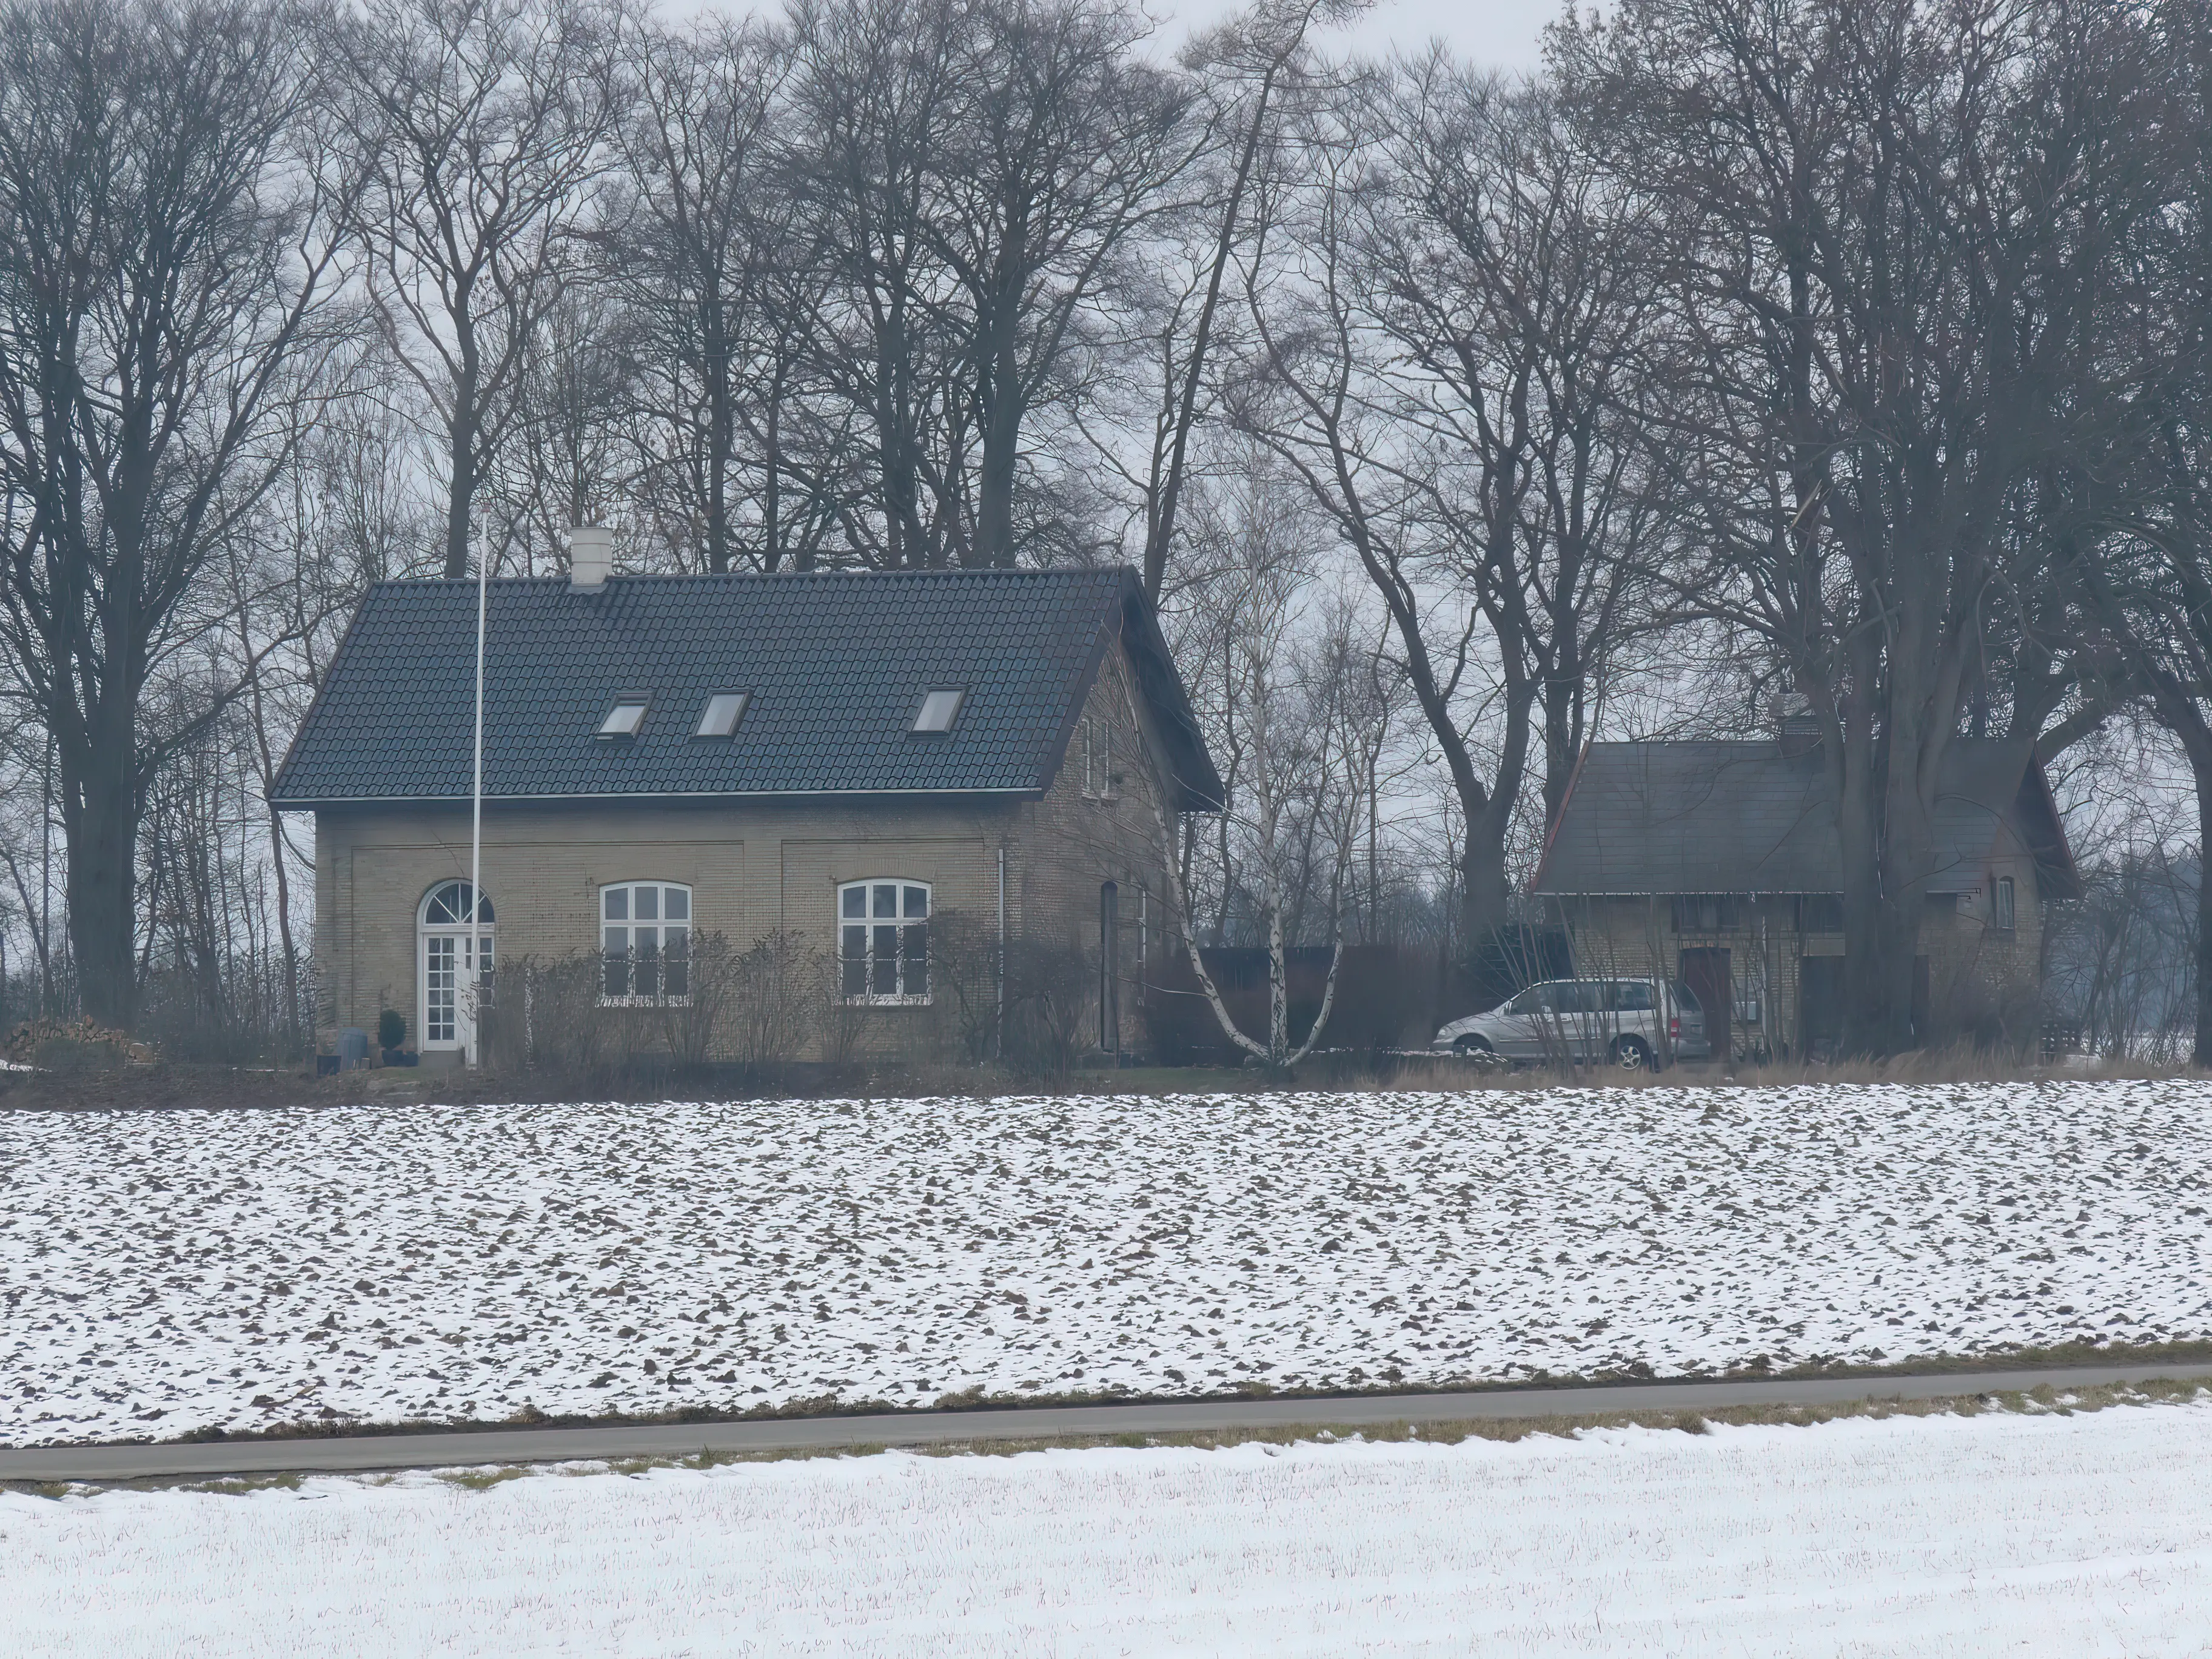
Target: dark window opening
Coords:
[(1704, 912), (1819, 913)]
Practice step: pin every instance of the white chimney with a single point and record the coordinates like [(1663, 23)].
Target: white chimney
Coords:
[(591, 557)]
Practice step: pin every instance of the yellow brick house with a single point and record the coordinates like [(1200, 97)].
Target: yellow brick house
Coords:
[(845, 759)]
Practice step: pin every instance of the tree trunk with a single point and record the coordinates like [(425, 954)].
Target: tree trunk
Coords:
[(1485, 892), (1000, 377), (721, 442), (99, 818), (461, 498), (2195, 737)]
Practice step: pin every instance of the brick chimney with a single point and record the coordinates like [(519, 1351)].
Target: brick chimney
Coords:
[(1796, 725)]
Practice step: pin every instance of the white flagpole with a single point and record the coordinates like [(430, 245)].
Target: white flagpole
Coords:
[(476, 833)]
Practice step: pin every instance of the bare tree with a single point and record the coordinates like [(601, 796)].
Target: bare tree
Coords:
[(873, 97), (2141, 546), (480, 125), (1316, 396), (568, 460), (1242, 62), (1890, 229), (1515, 282), (1301, 743), (1061, 151), (169, 250), (722, 273)]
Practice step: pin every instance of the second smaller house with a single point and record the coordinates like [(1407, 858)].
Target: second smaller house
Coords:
[(1718, 864)]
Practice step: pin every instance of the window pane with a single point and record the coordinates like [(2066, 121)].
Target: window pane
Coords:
[(617, 904), (886, 903), (616, 982), (675, 962), (937, 710), (622, 720), (856, 962), (883, 963), (917, 903), (721, 715), (914, 979), (855, 901), (647, 902), (645, 962), (676, 903)]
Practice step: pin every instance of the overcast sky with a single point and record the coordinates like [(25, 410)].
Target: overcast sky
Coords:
[(1495, 34)]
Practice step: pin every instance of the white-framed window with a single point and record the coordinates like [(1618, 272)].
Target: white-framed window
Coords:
[(883, 940), (2001, 905), (1098, 757), (645, 942)]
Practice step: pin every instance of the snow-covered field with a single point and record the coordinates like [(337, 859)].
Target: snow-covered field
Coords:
[(162, 1272), (2070, 1537)]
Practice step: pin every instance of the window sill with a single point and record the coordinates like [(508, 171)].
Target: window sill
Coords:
[(645, 1002), (887, 1002)]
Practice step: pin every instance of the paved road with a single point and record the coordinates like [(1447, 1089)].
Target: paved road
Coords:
[(932, 1428)]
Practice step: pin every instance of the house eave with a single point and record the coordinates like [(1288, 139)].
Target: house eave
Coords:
[(647, 798)]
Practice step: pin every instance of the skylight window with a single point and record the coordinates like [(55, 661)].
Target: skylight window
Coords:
[(624, 720), (939, 709), (720, 718)]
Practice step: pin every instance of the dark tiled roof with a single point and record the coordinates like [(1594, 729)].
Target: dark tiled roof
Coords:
[(1745, 818), (836, 665)]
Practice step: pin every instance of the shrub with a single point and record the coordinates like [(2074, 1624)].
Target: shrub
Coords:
[(391, 1029)]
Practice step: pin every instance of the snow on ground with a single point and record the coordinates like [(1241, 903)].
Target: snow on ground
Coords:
[(162, 1272), (2064, 1536)]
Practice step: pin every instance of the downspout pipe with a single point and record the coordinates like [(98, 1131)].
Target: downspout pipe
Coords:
[(1000, 1027)]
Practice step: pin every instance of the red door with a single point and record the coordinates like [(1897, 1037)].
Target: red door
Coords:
[(1705, 971)]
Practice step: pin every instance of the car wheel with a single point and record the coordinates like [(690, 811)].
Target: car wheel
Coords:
[(1472, 1045), (1631, 1054)]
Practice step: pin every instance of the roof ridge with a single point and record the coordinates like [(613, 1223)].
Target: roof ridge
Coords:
[(1093, 571)]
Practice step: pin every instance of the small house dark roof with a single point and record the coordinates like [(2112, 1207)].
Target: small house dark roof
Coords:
[(836, 665), (1749, 818)]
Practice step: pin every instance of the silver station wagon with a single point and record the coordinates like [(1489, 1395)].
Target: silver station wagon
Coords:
[(1637, 1024)]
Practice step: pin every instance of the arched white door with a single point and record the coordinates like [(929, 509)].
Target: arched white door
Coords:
[(453, 965)]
